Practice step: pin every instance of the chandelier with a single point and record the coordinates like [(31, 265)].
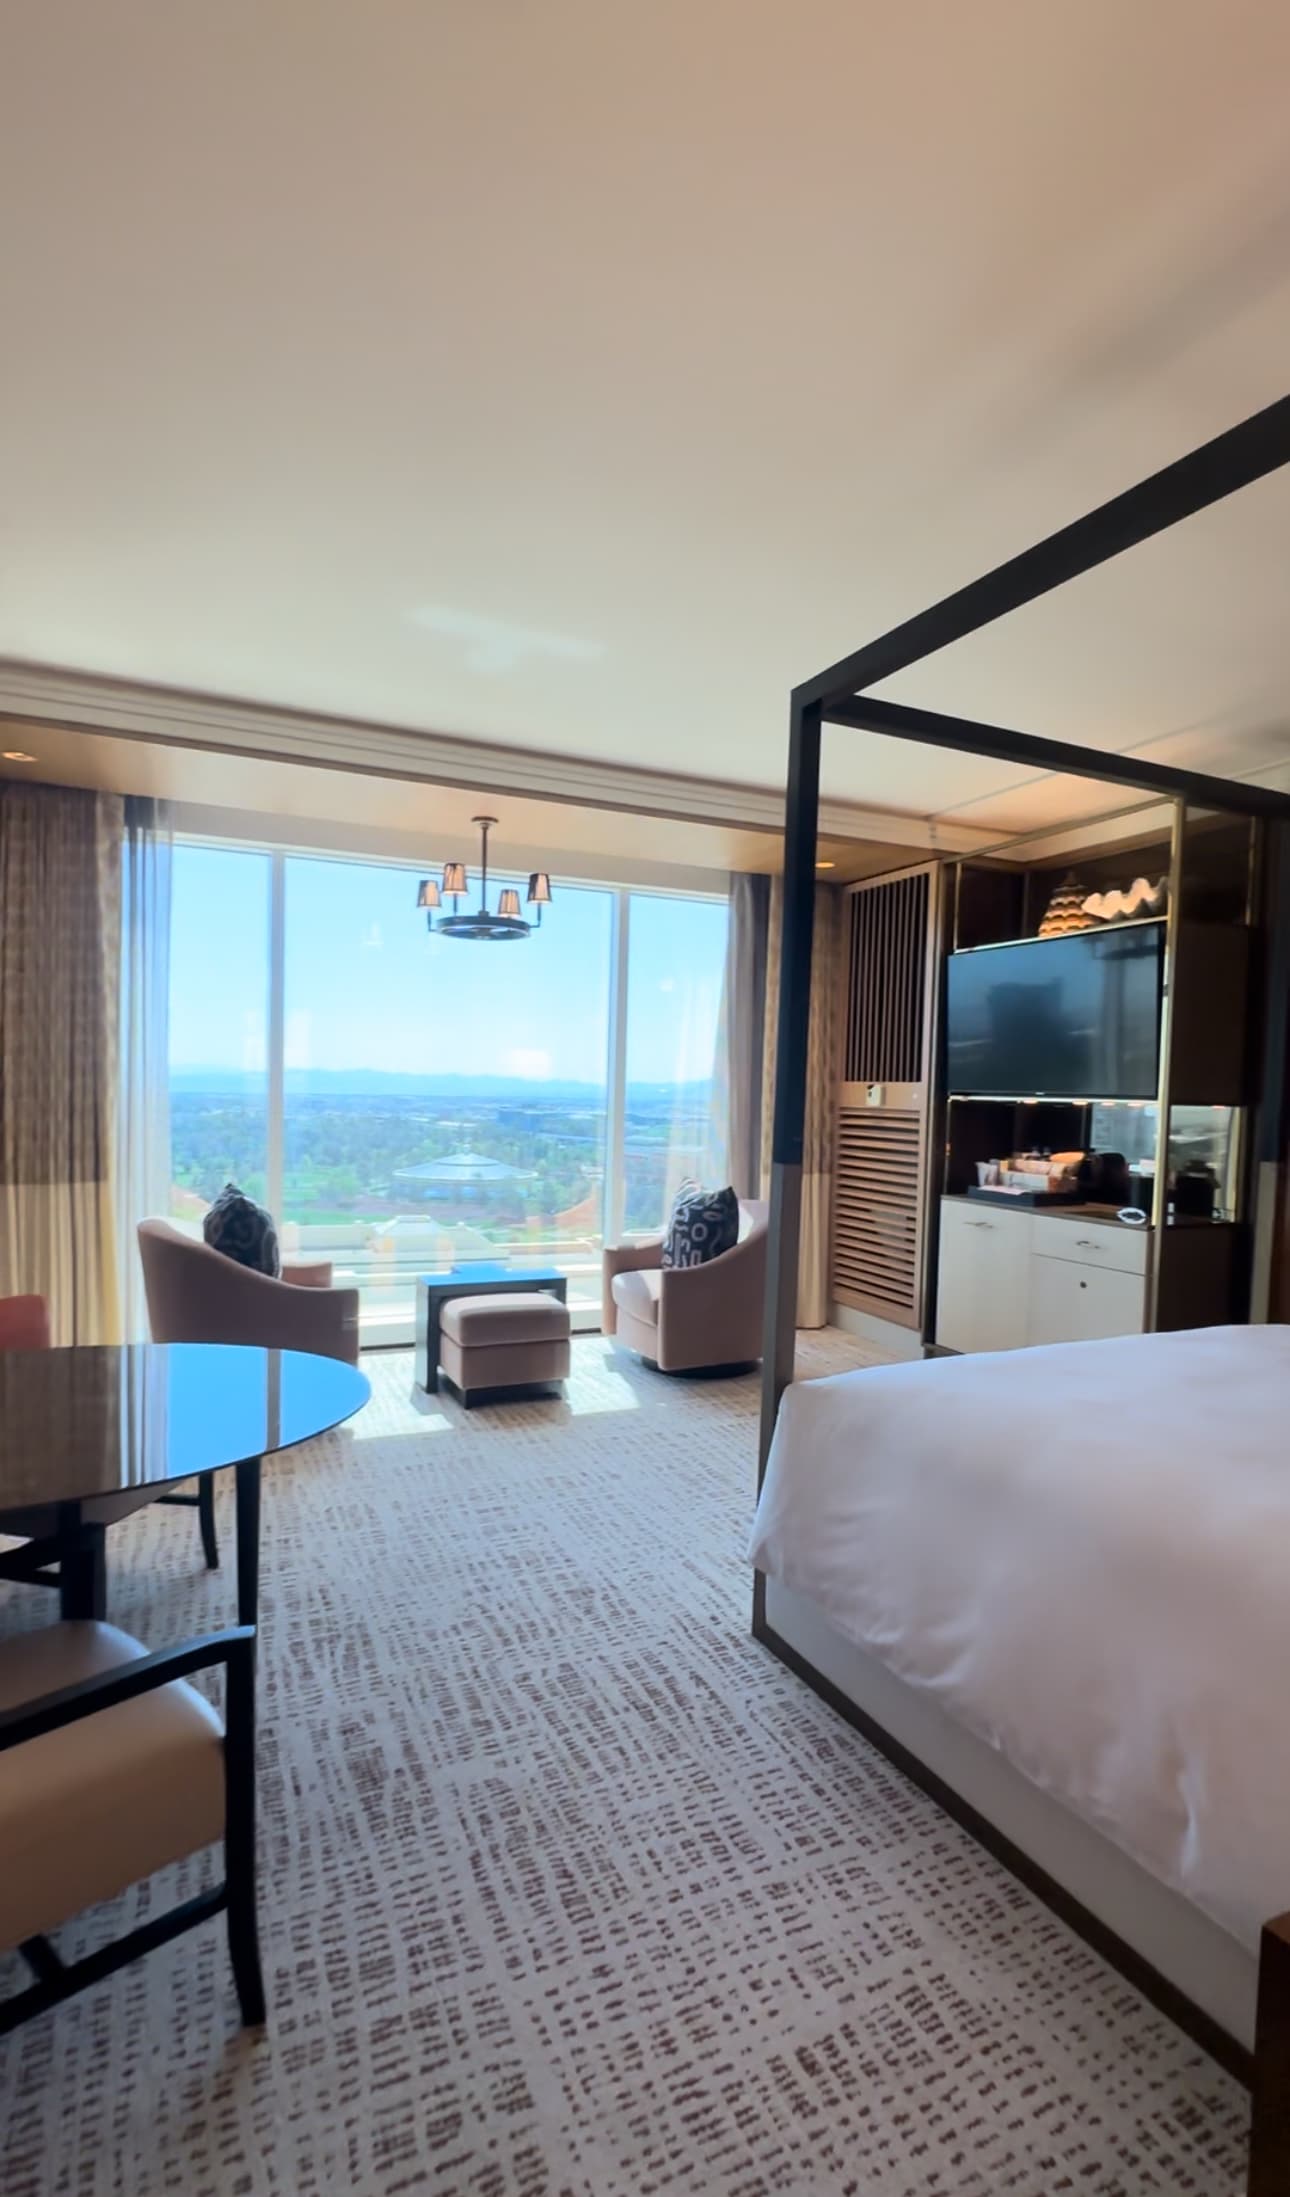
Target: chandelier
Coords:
[(507, 922)]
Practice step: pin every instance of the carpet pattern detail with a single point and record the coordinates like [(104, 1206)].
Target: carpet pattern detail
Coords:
[(569, 1890)]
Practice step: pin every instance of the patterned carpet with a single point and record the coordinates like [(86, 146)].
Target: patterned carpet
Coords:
[(569, 1890)]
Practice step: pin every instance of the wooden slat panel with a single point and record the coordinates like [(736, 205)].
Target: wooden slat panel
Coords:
[(859, 1196), (918, 1021), (876, 1197), (875, 1223), (880, 1164), (888, 1279), (885, 963)]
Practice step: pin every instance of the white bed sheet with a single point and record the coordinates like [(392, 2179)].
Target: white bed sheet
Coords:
[(1084, 1553)]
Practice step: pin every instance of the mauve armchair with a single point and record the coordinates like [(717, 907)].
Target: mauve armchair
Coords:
[(689, 1319), (197, 1295)]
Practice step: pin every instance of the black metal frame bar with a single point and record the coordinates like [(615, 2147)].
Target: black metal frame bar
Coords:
[(1232, 460), (929, 728), (235, 1649), (1254, 449)]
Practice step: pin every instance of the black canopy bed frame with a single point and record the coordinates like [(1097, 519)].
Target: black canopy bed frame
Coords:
[(840, 695)]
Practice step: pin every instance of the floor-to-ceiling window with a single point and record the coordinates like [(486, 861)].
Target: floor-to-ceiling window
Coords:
[(219, 998), (674, 1105), (445, 1099), (402, 1100)]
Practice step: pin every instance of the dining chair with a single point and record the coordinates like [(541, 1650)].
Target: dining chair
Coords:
[(24, 1325), (112, 1766)]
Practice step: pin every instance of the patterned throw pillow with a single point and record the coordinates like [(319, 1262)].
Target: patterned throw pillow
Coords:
[(242, 1230), (703, 1224)]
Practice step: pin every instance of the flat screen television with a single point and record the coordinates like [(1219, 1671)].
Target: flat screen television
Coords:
[(1075, 1017)]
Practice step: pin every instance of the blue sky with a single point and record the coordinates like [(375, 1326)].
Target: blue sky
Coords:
[(368, 987)]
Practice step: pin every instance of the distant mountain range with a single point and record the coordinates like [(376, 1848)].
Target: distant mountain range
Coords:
[(381, 1083)]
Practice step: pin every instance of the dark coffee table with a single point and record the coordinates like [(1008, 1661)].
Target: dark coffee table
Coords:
[(475, 1278)]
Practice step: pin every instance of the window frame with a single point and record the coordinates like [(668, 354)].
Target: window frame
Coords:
[(613, 1202)]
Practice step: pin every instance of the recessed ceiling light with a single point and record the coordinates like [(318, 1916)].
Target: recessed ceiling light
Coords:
[(826, 865), (17, 755)]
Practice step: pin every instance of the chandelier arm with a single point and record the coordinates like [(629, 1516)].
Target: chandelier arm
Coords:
[(483, 924)]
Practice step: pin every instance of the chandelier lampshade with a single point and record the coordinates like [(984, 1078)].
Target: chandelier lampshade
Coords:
[(505, 922)]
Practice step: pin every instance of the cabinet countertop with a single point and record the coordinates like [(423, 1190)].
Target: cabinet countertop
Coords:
[(1104, 1215)]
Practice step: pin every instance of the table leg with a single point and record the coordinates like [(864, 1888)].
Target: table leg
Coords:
[(206, 1520), (425, 1370), (82, 1574), (248, 1541)]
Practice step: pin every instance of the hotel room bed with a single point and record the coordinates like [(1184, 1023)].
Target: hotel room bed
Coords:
[(1061, 1579)]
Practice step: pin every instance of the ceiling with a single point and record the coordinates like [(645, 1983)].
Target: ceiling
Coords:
[(579, 378)]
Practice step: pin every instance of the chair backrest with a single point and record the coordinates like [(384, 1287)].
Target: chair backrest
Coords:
[(24, 1323), (713, 1314), (194, 1292), (197, 1295)]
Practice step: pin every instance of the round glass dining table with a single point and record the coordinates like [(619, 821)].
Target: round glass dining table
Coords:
[(86, 1423)]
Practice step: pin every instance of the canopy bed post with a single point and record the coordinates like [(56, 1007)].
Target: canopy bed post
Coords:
[(800, 828), (1270, 2088), (1272, 1115), (1160, 1194)]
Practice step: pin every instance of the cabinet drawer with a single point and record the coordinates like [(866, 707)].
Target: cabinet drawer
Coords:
[(1072, 1303), (981, 1293), (977, 1222), (1090, 1243)]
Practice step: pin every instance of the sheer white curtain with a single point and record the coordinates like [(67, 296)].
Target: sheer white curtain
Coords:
[(675, 1111), (143, 1116)]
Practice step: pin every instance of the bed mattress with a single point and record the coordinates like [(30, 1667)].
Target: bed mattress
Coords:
[(1083, 1553)]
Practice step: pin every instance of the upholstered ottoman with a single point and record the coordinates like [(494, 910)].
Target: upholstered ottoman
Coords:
[(514, 1341)]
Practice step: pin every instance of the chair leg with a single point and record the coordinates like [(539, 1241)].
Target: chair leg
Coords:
[(206, 1520), (244, 1945), (82, 1576), (239, 1839)]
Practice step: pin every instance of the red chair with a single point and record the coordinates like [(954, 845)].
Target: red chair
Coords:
[(24, 1323)]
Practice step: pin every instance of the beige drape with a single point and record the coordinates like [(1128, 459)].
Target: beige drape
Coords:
[(741, 1036), (821, 1093), (60, 944)]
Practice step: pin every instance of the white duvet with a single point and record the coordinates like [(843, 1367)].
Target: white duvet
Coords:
[(1084, 1553)]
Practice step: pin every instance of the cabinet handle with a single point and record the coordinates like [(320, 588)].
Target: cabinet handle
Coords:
[(1086, 1243), (980, 1224)]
